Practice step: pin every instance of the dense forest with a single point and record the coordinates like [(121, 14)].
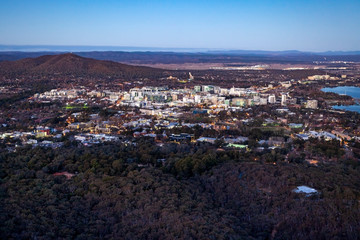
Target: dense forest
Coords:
[(140, 190)]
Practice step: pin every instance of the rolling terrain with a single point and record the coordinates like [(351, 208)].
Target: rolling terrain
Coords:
[(172, 57), (71, 64)]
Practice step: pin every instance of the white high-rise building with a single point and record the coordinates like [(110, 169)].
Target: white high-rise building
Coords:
[(283, 99), (197, 98), (272, 99)]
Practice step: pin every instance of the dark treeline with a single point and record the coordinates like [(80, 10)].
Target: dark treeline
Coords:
[(7, 102), (187, 191)]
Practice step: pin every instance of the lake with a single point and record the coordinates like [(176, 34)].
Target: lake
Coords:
[(350, 91)]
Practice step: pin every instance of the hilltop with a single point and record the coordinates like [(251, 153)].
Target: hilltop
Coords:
[(71, 64)]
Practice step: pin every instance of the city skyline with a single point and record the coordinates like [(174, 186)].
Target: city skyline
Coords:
[(247, 25)]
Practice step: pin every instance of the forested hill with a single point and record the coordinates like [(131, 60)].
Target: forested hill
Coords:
[(116, 191), (71, 64)]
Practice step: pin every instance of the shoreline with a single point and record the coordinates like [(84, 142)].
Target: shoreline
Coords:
[(344, 106)]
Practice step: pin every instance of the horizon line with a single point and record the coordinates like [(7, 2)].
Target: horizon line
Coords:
[(44, 48)]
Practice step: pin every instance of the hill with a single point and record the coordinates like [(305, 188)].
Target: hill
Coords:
[(110, 196), (71, 64)]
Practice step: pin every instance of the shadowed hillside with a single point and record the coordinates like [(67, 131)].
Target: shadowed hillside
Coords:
[(71, 64)]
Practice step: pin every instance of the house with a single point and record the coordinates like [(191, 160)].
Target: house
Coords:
[(181, 137), (305, 189), (303, 136), (207, 139), (42, 132)]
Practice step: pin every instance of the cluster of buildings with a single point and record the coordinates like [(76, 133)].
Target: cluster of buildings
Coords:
[(327, 136), (323, 77), (158, 112), (80, 94), (35, 138), (89, 138), (212, 96), (157, 97)]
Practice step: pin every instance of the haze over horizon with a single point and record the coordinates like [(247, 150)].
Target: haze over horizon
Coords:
[(99, 48), (314, 26)]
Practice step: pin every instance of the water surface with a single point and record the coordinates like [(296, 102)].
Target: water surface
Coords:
[(347, 90)]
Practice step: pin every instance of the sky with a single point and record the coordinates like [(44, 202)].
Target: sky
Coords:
[(305, 25)]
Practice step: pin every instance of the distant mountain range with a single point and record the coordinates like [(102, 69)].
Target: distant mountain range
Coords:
[(141, 56), (59, 48), (71, 64)]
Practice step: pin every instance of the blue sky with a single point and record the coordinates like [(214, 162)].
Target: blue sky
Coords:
[(316, 25)]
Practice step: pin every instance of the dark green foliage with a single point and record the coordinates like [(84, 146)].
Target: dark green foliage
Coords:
[(122, 191), (327, 148)]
